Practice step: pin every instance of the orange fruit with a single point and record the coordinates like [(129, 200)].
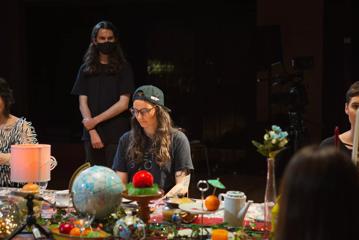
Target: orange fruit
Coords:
[(86, 232), (75, 231), (211, 202), (219, 234)]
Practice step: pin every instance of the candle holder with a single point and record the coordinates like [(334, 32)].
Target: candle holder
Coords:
[(143, 201)]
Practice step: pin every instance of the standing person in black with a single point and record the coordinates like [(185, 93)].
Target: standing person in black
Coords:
[(345, 142), (104, 84)]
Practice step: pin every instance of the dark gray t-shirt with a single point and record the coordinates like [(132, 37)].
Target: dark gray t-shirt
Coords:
[(163, 176)]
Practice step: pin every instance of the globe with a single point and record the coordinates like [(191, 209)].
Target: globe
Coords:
[(97, 191)]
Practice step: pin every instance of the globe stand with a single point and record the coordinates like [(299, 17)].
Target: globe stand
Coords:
[(31, 221), (143, 201)]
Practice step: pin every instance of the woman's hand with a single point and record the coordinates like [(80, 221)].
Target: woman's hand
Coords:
[(89, 123), (96, 141)]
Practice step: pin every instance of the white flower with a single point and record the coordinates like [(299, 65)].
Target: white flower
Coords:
[(266, 136), (274, 141), (272, 134)]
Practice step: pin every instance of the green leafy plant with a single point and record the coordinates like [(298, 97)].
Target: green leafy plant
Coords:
[(274, 142)]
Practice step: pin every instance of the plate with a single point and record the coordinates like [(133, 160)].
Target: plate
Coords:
[(125, 200), (196, 208), (175, 202), (62, 205), (63, 199)]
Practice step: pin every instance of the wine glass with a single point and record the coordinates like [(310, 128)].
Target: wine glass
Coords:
[(43, 186)]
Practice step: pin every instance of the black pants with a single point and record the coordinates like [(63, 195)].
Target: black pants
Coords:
[(102, 157)]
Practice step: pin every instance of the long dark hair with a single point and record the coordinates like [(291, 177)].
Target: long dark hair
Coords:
[(161, 142), (91, 58), (319, 196), (6, 95)]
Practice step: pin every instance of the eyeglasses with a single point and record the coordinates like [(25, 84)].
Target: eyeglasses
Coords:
[(143, 111)]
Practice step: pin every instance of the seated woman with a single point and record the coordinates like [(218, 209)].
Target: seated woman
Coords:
[(319, 196), (351, 105), (13, 130), (153, 144)]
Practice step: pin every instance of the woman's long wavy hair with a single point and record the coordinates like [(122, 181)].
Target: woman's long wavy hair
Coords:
[(161, 142), (92, 59)]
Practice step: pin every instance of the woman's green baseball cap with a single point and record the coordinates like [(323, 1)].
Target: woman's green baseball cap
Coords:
[(150, 94)]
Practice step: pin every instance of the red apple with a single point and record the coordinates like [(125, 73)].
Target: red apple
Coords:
[(66, 228), (142, 179)]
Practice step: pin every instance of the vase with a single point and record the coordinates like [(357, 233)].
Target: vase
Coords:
[(270, 194)]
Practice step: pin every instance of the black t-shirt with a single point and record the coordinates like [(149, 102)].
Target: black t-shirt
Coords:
[(331, 142), (103, 90), (165, 177)]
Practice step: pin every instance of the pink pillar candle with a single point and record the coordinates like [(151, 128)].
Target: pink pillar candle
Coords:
[(30, 163)]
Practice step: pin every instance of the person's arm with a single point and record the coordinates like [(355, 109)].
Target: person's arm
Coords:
[(181, 175), (95, 138), (183, 161), (124, 177), (183, 178), (84, 108), (120, 106)]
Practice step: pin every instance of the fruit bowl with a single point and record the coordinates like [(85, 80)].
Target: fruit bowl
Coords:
[(60, 236)]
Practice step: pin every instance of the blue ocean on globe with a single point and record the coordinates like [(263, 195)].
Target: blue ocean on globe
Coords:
[(97, 191)]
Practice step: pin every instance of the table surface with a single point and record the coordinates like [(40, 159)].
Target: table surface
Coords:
[(255, 211)]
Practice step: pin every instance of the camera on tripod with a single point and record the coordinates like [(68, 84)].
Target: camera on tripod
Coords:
[(295, 97)]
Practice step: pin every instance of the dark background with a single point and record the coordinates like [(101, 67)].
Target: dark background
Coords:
[(216, 69)]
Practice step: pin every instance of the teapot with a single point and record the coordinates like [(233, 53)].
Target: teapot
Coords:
[(235, 207)]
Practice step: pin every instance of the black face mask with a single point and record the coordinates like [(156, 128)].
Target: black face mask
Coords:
[(106, 47)]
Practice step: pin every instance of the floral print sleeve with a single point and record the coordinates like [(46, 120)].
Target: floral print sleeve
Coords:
[(22, 132), (28, 135)]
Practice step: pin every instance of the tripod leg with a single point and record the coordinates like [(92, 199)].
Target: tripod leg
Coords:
[(42, 230), (17, 231)]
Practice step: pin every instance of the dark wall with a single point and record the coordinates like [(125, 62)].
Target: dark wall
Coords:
[(301, 27), (12, 49), (341, 61), (209, 45), (215, 49)]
